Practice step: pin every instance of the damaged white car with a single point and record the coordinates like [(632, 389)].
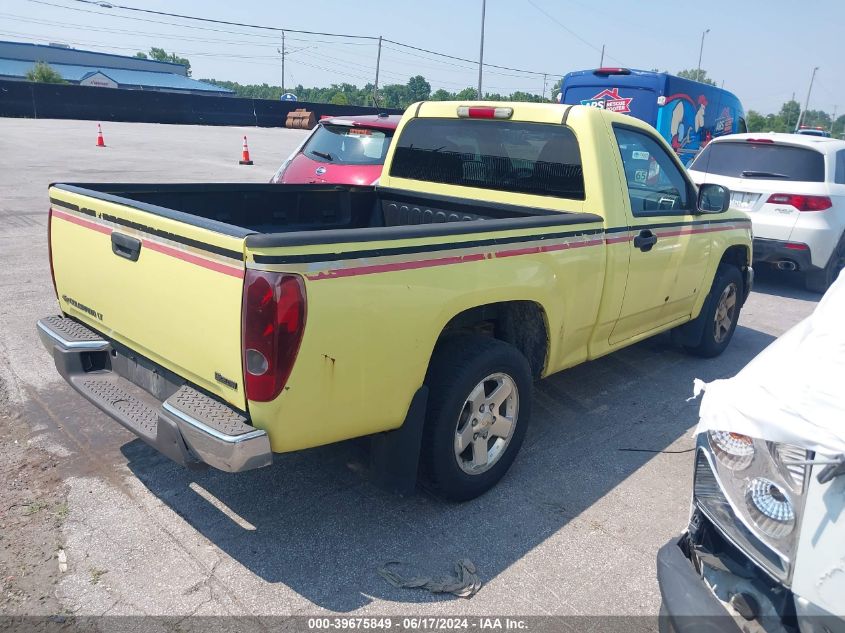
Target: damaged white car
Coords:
[(765, 546)]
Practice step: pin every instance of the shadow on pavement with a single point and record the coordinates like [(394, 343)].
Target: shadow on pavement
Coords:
[(314, 522), (789, 285)]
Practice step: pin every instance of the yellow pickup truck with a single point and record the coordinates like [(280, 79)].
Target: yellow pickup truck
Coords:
[(222, 323)]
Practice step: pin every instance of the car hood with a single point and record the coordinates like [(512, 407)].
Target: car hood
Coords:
[(792, 391), (303, 170)]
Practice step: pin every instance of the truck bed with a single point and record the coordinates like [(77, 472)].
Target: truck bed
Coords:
[(318, 213)]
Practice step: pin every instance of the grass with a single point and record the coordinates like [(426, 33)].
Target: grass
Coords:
[(34, 507), (96, 575)]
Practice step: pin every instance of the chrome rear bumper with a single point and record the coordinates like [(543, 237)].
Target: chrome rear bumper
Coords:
[(188, 426)]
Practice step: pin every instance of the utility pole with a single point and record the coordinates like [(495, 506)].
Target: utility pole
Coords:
[(833, 120), (378, 64), (700, 52), (481, 50), (544, 86), (283, 62), (807, 101), (601, 61)]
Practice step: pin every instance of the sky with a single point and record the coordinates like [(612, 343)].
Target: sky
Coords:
[(760, 49)]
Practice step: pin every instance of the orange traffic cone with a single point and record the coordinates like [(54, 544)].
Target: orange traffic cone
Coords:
[(100, 141), (245, 155)]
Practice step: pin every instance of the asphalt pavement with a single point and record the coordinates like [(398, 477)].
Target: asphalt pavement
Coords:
[(601, 483)]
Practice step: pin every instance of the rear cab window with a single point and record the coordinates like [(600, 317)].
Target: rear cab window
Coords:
[(521, 157), (348, 145), (766, 161)]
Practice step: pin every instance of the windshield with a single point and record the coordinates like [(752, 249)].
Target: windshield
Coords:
[(348, 145), (767, 161)]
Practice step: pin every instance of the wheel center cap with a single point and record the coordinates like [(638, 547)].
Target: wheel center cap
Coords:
[(486, 419)]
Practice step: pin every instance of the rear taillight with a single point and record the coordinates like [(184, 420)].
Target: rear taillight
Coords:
[(50, 250), (759, 140), (797, 246), (801, 202), (484, 112), (273, 323)]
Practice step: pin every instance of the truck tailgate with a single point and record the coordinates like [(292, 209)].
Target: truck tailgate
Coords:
[(163, 283)]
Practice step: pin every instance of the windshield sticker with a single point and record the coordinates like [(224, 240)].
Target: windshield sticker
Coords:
[(610, 100), (639, 155)]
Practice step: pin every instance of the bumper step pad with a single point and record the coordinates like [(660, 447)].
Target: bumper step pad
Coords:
[(109, 394), (209, 412)]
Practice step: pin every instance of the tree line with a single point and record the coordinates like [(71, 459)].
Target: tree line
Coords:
[(786, 119), (400, 96), (389, 96)]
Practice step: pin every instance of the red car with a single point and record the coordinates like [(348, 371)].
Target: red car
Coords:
[(344, 150)]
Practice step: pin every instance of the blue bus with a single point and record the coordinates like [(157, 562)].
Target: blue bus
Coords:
[(686, 113)]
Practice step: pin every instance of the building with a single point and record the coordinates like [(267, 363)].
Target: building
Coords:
[(90, 68)]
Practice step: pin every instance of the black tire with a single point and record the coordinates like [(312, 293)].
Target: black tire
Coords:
[(820, 280), (459, 364), (713, 342)]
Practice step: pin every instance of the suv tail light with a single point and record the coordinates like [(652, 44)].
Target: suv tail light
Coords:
[(50, 250), (273, 324), (801, 202)]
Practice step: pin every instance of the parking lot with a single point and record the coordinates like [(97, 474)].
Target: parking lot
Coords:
[(602, 481)]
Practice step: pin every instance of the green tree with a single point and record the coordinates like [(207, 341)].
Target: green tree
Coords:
[(788, 116), (556, 89), (467, 94), (442, 95), (43, 73), (418, 89), (696, 75), (161, 55), (395, 96), (755, 121), (339, 99)]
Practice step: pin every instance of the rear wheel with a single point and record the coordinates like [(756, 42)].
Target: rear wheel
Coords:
[(820, 280), (478, 411), (720, 313)]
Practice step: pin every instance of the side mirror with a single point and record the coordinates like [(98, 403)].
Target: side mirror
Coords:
[(713, 198)]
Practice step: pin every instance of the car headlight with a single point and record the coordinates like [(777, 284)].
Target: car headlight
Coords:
[(733, 450), (769, 507), (753, 491)]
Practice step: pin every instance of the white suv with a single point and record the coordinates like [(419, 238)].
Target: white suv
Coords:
[(793, 188)]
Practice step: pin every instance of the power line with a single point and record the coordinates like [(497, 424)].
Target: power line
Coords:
[(568, 30), (372, 38)]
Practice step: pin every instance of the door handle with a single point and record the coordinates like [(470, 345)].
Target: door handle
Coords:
[(645, 240), (125, 246)]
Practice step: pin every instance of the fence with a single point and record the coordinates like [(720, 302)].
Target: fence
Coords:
[(61, 101)]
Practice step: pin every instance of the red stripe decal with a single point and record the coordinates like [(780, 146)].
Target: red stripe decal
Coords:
[(193, 259), (81, 222), (155, 246), (387, 268)]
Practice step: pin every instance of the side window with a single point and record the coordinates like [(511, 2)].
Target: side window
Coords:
[(656, 185), (839, 179), (742, 127)]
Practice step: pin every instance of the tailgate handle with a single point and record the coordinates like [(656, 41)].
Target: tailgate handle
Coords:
[(125, 246)]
